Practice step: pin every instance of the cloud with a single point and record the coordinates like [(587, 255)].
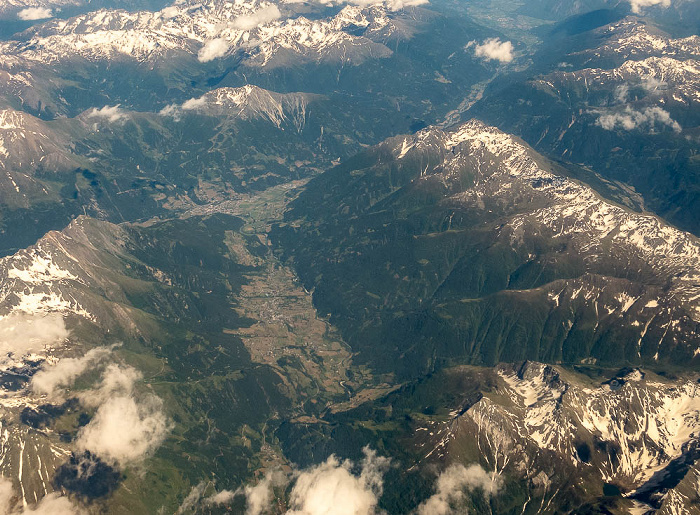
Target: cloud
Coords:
[(451, 487), (112, 114), (6, 494), (223, 497), (622, 92), (116, 380), (337, 487), (259, 17), (22, 334), (50, 378), (35, 13), (192, 500), (651, 83), (393, 5), (258, 497), (175, 111), (194, 103), (493, 49), (637, 5), (51, 504), (124, 430), (332, 487), (396, 5), (648, 83), (170, 12), (213, 49), (631, 119), (54, 504), (172, 110)]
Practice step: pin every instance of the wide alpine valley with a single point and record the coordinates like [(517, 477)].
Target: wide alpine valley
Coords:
[(349, 257)]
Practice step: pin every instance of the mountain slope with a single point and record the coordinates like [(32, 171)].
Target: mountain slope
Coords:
[(621, 99), (466, 245), (551, 439), (120, 165), (163, 305)]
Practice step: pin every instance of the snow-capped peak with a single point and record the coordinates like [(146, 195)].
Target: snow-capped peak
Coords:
[(209, 30)]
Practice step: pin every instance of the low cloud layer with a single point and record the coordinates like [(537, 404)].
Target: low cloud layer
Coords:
[(393, 5), (452, 486), (345, 488), (649, 83), (213, 49), (194, 103), (112, 114), (631, 119), (53, 377), (52, 504), (126, 427), (259, 497), (35, 13), (333, 487), (493, 49), (259, 17), (22, 334), (125, 430), (638, 5), (116, 380), (175, 111)]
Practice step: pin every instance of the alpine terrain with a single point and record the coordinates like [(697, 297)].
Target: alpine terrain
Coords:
[(363, 257)]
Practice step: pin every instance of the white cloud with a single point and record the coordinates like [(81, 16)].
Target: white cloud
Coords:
[(171, 110), (451, 487), (116, 380), (213, 49), (124, 430), (493, 49), (51, 504), (50, 378), (393, 5), (651, 83), (332, 487), (112, 114), (35, 13), (175, 111), (170, 12), (259, 497), (621, 93), (22, 334), (223, 497), (396, 5), (194, 103), (638, 5), (259, 17), (631, 119), (54, 504), (6, 494), (192, 500)]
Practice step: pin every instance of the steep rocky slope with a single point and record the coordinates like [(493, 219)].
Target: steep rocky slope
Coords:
[(465, 244)]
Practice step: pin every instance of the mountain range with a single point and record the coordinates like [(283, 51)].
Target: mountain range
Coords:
[(393, 257)]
